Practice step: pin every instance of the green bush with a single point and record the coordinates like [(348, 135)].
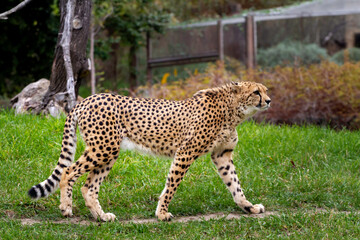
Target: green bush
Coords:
[(289, 53), (351, 55)]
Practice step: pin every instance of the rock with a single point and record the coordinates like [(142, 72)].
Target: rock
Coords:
[(29, 100)]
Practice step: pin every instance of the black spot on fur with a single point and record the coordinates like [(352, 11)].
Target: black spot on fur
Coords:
[(55, 178), (247, 209), (62, 165), (48, 188), (225, 151), (50, 183), (41, 190)]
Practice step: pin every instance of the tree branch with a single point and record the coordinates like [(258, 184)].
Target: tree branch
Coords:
[(65, 44), (14, 9)]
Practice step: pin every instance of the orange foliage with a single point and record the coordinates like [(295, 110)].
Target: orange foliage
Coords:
[(215, 75), (324, 94)]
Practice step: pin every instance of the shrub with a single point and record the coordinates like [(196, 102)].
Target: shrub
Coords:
[(214, 75), (323, 94), (290, 53), (349, 55)]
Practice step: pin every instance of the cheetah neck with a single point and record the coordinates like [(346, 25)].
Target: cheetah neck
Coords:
[(241, 114)]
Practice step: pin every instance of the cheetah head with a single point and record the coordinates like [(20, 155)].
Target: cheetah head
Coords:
[(252, 97)]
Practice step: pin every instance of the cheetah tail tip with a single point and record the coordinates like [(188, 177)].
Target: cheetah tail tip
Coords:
[(32, 193)]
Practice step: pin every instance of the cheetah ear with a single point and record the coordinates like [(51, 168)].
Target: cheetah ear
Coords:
[(235, 87)]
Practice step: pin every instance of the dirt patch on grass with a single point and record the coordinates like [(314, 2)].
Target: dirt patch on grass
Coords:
[(206, 217), (202, 217), (75, 220)]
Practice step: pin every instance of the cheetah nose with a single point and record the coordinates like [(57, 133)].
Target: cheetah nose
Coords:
[(268, 101)]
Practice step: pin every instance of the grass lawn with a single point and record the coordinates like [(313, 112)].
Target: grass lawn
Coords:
[(290, 170)]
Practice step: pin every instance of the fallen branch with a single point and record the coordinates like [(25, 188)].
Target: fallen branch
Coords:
[(14, 9)]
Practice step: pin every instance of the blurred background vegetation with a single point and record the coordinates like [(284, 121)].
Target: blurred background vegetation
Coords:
[(27, 44), (28, 37), (311, 71)]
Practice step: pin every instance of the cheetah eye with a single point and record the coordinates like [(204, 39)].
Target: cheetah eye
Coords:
[(257, 92)]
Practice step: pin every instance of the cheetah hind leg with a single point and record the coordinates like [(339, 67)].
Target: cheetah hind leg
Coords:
[(68, 178), (91, 189)]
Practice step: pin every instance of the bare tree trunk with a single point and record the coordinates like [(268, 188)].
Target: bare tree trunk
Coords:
[(92, 59), (61, 80), (65, 44)]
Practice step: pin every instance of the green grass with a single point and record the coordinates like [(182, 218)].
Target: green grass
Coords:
[(291, 170), (285, 226)]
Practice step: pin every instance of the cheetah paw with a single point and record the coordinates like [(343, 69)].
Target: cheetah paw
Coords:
[(164, 216), (66, 210), (108, 217), (257, 209)]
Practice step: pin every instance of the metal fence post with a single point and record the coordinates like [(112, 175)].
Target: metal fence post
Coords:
[(148, 67), (221, 39), (250, 41)]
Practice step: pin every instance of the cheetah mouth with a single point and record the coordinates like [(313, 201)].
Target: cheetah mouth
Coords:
[(263, 108)]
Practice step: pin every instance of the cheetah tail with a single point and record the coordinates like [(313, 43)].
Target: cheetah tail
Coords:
[(68, 148)]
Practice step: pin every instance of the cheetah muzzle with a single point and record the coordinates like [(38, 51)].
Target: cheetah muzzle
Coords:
[(182, 130)]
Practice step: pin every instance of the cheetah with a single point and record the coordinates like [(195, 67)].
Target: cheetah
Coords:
[(182, 130)]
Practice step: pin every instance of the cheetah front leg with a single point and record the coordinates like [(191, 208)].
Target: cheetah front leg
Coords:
[(222, 159), (177, 171)]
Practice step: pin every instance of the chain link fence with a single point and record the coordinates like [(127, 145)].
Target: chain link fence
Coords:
[(332, 30)]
